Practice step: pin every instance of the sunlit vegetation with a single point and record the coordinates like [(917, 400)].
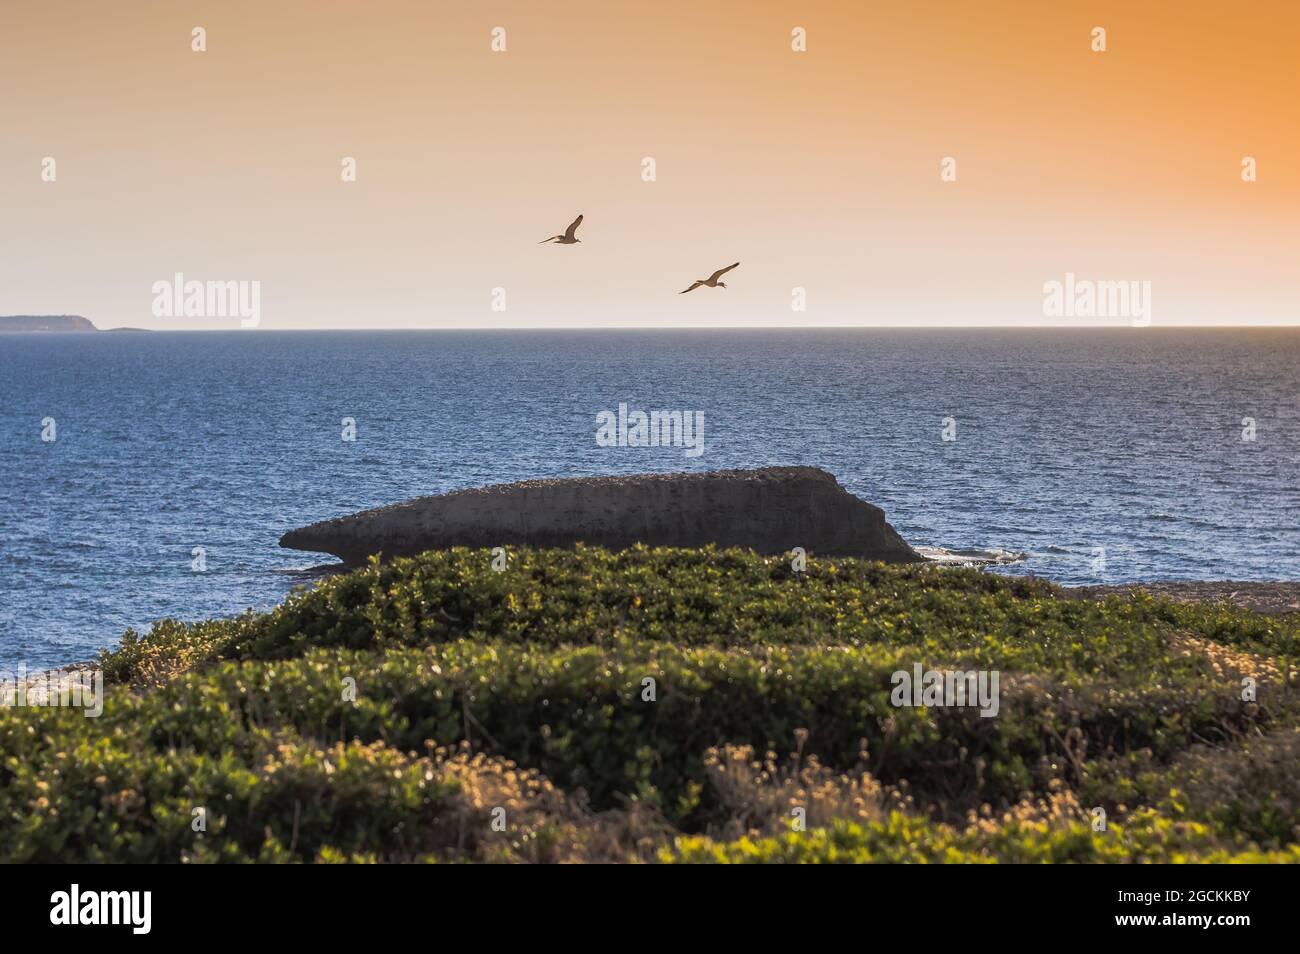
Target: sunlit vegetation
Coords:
[(670, 706)]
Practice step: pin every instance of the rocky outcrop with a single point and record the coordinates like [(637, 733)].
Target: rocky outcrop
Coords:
[(48, 324), (771, 510)]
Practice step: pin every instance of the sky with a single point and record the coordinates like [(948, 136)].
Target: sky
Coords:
[(817, 169)]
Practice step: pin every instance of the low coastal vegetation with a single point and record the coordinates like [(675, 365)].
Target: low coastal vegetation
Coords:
[(671, 706)]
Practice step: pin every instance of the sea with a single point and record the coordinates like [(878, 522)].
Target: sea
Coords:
[(146, 475)]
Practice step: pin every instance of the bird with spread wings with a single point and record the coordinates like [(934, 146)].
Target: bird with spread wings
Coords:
[(568, 237), (711, 281)]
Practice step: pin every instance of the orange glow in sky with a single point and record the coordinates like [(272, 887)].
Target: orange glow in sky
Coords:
[(817, 169)]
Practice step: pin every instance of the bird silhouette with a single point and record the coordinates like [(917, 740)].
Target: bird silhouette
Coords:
[(567, 238), (711, 281)]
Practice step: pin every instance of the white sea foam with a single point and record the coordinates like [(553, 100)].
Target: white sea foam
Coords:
[(970, 557)]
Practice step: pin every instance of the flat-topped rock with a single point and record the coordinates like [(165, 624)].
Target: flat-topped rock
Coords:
[(770, 510)]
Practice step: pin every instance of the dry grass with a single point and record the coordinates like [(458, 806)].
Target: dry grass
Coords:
[(764, 796), (1225, 661)]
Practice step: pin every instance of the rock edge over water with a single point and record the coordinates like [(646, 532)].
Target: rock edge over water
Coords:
[(770, 510)]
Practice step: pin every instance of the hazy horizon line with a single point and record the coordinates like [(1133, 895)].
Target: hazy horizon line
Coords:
[(669, 327)]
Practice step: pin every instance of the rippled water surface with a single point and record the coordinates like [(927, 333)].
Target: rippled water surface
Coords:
[(1106, 456)]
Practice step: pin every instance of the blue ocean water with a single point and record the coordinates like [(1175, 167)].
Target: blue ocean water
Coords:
[(1106, 456)]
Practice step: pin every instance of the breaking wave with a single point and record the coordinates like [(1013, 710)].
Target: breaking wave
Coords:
[(971, 556)]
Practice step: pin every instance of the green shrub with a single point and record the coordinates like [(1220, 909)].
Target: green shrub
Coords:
[(578, 714), (690, 598), (543, 667), (903, 838), (270, 797)]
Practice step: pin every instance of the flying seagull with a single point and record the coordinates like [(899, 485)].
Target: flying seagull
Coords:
[(567, 238), (711, 281)]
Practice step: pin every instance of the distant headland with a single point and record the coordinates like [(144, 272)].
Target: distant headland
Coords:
[(41, 324), (50, 324)]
